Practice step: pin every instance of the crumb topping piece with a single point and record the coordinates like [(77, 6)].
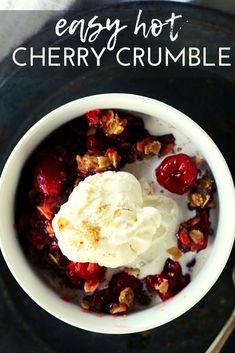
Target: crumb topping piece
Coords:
[(175, 253), (112, 124), (148, 146), (126, 297), (93, 164), (201, 194), (193, 233), (132, 271), (162, 287)]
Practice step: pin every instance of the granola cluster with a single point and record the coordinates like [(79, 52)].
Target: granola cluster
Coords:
[(201, 195)]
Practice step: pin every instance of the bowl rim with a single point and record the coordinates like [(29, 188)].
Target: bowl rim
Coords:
[(147, 318)]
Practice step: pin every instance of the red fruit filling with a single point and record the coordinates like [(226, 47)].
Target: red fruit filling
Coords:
[(49, 206), (193, 234), (177, 173), (170, 282), (99, 301), (123, 280), (85, 273), (120, 294), (95, 146), (49, 176), (93, 117), (54, 245), (35, 230), (73, 276), (167, 144)]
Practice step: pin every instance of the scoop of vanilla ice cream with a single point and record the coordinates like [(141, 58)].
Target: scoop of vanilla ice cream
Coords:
[(153, 259), (111, 220)]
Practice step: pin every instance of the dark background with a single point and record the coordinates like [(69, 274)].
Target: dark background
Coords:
[(206, 95)]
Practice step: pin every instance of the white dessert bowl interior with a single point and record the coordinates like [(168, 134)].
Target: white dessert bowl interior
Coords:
[(207, 271)]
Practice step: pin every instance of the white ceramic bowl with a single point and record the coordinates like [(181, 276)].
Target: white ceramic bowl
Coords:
[(152, 316)]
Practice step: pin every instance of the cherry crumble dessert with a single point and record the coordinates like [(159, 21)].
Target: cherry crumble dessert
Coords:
[(98, 235)]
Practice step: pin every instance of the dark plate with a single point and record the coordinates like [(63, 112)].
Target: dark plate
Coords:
[(205, 94)]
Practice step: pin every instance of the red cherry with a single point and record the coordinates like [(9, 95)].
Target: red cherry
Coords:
[(49, 175), (73, 276), (122, 280), (93, 117), (177, 173), (170, 282), (86, 270)]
